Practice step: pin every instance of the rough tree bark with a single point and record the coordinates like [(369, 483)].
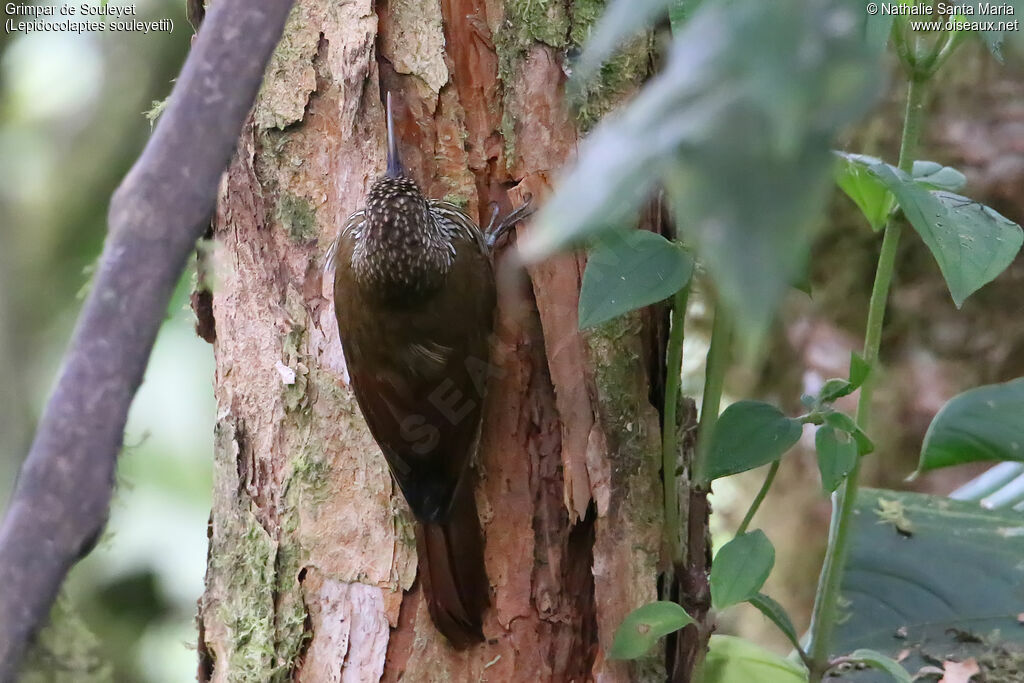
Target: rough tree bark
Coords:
[(312, 568)]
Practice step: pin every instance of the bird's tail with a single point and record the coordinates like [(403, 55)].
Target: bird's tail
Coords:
[(451, 566)]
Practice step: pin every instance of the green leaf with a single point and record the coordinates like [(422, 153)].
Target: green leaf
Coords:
[(642, 628), (835, 388), (747, 435), (877, 27), (985, 423), (778, 616), (877, 660), (734, 660), (680, 12), (837, 456), (736, 129), (971, 242), (740, 569), (935, 176), (843, 422), (859, 370), (957, 574), (854, 177), (629, 270)]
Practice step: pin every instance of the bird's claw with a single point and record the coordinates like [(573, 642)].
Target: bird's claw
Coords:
[(495, 233)]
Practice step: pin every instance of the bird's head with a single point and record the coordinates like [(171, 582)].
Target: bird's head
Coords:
[(395, 200)]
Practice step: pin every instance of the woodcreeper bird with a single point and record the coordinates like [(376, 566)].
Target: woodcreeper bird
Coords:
[(414, 295)]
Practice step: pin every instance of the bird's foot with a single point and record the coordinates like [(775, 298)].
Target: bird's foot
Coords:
[(496, 230)]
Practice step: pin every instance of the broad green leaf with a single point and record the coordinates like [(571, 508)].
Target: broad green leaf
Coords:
[(774, 611), (938, 177), (680, 12), (877, 27), (629, 270), (971, 242), (837, 456), (736, 129), (747, 435), (876, 660), (843, 422), (854, 177), (985, 423), (734, 660), (740, 569), (642, 628), (957, 575)]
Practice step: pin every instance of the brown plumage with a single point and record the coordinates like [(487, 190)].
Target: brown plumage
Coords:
[(414, 296)]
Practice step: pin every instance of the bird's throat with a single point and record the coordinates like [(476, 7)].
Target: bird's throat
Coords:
[(401, 261)]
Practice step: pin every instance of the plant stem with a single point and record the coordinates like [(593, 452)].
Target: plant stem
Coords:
[(948, 48), (759, 498), (670, 431), (714, 379), (826, 603)]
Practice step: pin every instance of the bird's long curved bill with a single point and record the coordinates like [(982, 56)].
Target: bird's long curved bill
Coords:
[(394, 169)]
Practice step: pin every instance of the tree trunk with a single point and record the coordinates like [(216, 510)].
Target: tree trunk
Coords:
[(312, 563)]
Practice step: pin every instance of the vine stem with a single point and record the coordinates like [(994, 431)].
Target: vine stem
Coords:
[(710, 405), (669, 431), (711, 401), (826, 603), (759, 498)]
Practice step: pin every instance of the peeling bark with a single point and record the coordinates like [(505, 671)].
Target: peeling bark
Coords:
[(312, 571)]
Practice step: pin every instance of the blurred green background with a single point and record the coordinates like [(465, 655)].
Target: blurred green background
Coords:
[(72, 121)]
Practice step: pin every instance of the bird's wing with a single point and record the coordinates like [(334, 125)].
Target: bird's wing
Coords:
[(455, 218), (420, 374), (353, 224)]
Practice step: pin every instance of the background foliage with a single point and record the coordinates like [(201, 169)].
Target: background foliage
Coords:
[(72, 120)]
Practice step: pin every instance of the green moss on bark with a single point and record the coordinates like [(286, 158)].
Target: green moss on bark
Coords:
[(253, 587), (631, 425), (310, 472), (542, 21), (290, 633), (526, 22), (458, 200), (298, 217), (250, 615), (295, 386), (622, 389), (566, 25), (289, 79), (619, 76)]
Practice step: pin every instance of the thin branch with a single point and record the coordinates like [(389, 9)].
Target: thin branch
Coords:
[(61, 502)]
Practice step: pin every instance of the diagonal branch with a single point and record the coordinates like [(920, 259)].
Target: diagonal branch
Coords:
[(163, 205)]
